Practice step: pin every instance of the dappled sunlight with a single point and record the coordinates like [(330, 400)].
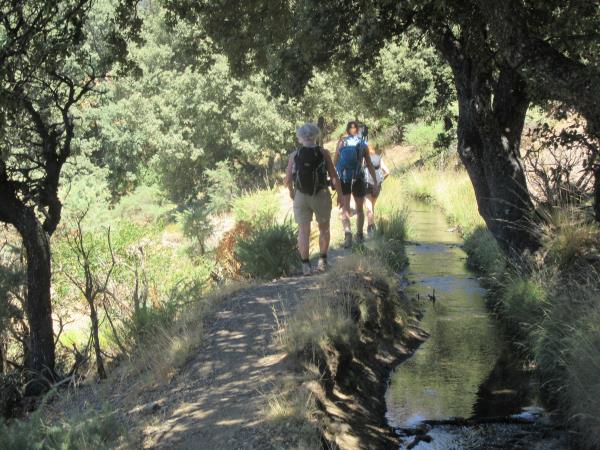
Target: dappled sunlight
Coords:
[(215, 398)]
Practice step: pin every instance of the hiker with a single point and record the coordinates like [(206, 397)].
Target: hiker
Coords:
[(352, 150), (306, 179), (381, 173)]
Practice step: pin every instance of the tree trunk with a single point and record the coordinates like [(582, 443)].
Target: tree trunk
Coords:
[(40, 355), (597, 193), (96, 339), (491, 118)]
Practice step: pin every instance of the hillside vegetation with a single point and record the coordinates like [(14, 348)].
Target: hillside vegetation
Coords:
[(142, 152)]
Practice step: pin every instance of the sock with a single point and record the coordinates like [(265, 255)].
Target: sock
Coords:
[(305, 261), (323, 255)]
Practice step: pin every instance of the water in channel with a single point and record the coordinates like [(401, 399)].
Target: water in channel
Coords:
[(465, 369)]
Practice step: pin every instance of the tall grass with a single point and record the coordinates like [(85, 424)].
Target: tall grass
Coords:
[(554, 300), (582, 384), (292, 407), (344, 303), (451, 190), (393, 232), (92, 430)]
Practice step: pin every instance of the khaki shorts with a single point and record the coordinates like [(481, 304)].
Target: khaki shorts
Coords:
[(305, 205)]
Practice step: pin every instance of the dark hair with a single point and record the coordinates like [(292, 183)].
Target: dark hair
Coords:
[(351, 124)]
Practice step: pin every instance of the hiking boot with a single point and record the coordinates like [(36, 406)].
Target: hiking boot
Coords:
[(360, 238), (348, 239), (322, 266), (306, 270), (371, 231)]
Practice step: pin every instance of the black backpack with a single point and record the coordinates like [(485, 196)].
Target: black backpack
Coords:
[(310, 170)]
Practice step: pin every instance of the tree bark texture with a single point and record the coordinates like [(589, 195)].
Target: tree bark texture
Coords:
[(40, 352), (597, 193), (491, 118)]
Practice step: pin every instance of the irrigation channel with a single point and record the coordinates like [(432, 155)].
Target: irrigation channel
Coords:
[(463, 388)]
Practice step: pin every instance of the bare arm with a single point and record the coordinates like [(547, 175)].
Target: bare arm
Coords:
[(333, 173), (384, 169), (370, 167), (289, 177), (337, 151)]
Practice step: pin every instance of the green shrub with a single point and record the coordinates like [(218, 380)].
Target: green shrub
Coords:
[(197, 225), (483, 253), (146, 204), (221, 188), (258, 208), (269, 251), (423, 136), (93, 430)]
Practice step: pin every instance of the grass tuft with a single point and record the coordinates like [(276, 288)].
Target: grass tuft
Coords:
[(292, 408), (269, 251), (569, 237), (346, 301), (91, 430)]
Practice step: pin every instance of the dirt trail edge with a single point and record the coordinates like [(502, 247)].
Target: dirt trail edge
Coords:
[(217, 399), (354, 379)]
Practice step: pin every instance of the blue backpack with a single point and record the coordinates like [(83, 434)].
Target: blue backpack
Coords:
[(349, 164)]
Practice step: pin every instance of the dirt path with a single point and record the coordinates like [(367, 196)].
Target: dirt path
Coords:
[(216, 402)]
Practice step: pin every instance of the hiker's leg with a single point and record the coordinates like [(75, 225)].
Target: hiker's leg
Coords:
[(346, 214), (324, 238), (303, 214), (360, 214), (370, 207), (345, 204), (304, 240), (322, 206), (359, 191)]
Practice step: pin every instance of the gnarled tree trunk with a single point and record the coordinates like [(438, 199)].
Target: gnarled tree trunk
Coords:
[(40, 355), (491, 119)]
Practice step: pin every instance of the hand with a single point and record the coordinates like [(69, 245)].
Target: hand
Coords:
[(292, 193)]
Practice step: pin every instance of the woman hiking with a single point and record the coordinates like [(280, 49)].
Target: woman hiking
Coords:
[(306, 179), (381, 173), (351, 152)]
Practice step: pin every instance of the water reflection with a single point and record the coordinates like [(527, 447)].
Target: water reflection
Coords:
[(445, 376)]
